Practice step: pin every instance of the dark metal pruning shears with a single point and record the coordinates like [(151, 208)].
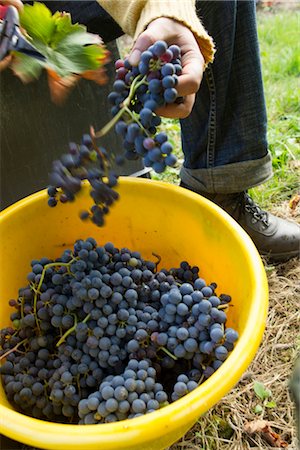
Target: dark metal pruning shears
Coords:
[(11, 38)]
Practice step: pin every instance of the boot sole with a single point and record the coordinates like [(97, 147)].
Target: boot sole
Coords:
[(280, 257)]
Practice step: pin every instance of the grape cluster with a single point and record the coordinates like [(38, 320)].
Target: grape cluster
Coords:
[(84, 162), (100, 334), (137, 93), (131, 394)]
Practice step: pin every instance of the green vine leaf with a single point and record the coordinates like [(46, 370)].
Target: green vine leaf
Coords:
[(69, 50), (258, 409), (37, 20), (261, 392), (271, 404), (27, 69)]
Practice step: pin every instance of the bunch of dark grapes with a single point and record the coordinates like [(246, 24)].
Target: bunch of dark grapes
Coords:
[(84, 162), (131, 394), (100, 335), (138, 93)]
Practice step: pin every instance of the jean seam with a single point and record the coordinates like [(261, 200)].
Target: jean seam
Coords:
[(230, 178), (212, 126)]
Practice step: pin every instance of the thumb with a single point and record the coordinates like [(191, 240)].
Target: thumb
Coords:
[(144, 41)]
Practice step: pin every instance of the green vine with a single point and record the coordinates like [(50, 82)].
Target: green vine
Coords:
[(11, 350), (70, 330), (37, 288), (137, 82), (168, 353)]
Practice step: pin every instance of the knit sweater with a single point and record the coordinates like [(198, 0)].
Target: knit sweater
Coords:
[(134, 16)]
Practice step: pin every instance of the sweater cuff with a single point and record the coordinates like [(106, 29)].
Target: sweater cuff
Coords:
[(184, 14)]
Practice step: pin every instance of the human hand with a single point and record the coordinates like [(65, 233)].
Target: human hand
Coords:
[(3, 4), (173, 32), (17, 3), (5, 62)]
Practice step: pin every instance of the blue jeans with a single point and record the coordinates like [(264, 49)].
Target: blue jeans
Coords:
[(224, 138)]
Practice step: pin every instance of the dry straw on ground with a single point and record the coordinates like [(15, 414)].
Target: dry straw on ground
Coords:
[(224, 426)]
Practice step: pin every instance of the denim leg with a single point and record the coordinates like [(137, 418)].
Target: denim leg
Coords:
[(224, 138)]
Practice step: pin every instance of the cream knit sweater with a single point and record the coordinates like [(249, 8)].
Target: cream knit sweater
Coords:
[(133, 16)]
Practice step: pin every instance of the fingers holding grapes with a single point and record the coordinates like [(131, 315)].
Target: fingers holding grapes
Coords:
[(189, 80)]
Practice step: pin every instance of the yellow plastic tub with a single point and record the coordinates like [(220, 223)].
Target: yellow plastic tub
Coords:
[(149, 217)]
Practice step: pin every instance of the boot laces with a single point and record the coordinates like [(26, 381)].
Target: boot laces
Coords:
[(252, 208)]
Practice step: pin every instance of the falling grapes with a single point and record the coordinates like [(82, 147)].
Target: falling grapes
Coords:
[(84, 162), (137, 93), (101, 335)]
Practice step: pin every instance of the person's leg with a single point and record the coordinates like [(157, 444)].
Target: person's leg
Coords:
[(224, 138)]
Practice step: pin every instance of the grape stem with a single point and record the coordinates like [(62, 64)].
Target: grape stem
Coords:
[(70, 330), (225, 306), (97, 149), (13, 349), (136, 120), (158, 260), (22, 307), (37, 289), (201, 380), (109, 125), (168, 353), (135, 84)]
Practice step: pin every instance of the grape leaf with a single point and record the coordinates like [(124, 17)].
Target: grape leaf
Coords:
[(64, 27), (59, 87), (37, 20), (68, 48), (271, 404), (26, 68), (260, 391), (258, 409)]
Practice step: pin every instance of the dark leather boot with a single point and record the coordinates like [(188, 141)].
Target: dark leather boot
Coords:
[(275, 238)]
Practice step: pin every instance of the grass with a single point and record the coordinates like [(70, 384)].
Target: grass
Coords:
[(280, 58)]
